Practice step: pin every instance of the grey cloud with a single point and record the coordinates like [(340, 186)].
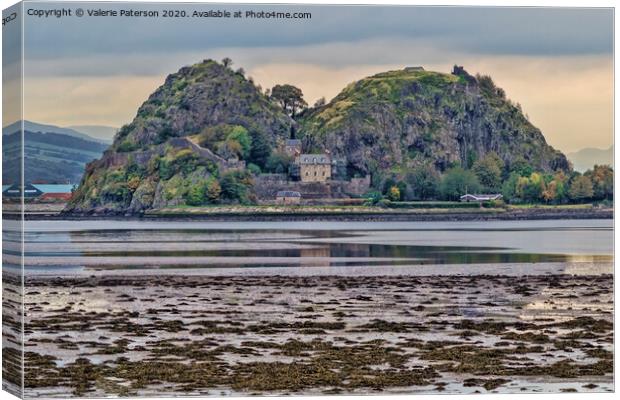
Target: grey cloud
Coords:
[(519, 31)]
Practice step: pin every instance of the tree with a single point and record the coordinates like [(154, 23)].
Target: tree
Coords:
[(227, 62), (290, 98), (550, 192), (213, 190), (240, 135), (509, 188), (235, 185), (580, 189), (278, 162), (521, 166), (456, 182), (602, 177), (229, 148), (488, 170), (133, 183), (320, 102), (195, 196), (402, 189), (261, 149), (253, 168), (561, 186), (387, 185), (424, 182), (530, 189)]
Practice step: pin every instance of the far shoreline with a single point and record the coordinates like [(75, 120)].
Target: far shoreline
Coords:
[(534, 213)]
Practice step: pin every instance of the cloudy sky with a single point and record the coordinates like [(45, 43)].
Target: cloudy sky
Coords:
[(557, 63)]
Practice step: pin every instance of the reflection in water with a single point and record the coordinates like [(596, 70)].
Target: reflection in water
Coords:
[(217, 248)]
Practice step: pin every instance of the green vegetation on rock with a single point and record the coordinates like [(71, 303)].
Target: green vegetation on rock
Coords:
[(191, 140), (397, 120), (208, 131)]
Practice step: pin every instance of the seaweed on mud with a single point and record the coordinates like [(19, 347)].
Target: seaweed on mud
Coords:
[(379, 325), (527, 337), (488, 384), (196, 347), (470, 359)]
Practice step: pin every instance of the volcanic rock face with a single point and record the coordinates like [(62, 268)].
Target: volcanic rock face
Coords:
[(205, 94), (397, 119), (178, 145), (154, 159)]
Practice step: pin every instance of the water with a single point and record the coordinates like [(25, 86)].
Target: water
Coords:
[(375, 248), (213, 300)]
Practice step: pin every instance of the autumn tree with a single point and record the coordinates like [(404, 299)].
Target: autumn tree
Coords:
[(581, 188), (213, 190), (602, 178), (550, 192), (530, 189)]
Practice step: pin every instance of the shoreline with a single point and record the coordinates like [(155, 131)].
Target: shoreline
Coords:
[(356, 215)]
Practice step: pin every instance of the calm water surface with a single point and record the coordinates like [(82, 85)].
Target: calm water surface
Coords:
[(69, 247)]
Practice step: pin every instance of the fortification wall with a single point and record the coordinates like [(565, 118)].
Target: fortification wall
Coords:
[(266, 187)]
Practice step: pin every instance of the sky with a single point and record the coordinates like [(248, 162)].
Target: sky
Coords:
[(557, 63)]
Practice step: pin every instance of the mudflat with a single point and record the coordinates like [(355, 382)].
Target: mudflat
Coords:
[(219, 335)]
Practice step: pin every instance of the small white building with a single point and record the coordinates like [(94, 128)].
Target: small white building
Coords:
[(288, 197), (467, 198)]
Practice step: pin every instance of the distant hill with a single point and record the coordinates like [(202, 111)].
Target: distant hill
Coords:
[(100, 132), (585, 159), (45, 128), (48, 157)]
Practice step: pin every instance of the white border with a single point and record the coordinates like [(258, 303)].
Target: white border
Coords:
[(485, 3)]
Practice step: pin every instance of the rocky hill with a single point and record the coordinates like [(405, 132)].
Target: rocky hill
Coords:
[(208, 130), (394, 120), (187, 134)]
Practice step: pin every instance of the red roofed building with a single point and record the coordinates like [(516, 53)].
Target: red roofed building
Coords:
[(55, 197)]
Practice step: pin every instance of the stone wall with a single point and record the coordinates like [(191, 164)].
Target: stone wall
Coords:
[(267, 185)]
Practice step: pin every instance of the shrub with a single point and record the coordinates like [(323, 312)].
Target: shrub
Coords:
[(126, 146), (235, 186), (195, 196), (373, 198), (254, 169), (394, 193)]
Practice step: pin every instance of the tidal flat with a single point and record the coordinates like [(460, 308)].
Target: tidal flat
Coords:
[(149, 334), (120, 308)]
